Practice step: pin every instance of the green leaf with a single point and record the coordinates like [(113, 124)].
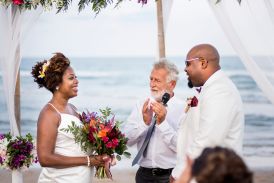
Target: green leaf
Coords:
[(118, 157), (127, 154)]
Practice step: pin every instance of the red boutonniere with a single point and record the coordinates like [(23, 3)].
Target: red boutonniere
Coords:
[(191, 102)]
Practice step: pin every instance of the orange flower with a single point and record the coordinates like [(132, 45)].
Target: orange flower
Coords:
[(92, 122), (103, 132)]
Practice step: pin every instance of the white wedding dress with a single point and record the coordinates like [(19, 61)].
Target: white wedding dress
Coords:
[(65, 145)]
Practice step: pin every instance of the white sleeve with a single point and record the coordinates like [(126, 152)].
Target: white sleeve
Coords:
[(178, 169), (169, 134), (135, 128)]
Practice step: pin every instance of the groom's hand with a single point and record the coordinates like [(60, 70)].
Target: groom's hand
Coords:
[(171, 179), (147, 112)]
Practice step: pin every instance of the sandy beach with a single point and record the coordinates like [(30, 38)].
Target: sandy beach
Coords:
[(126, 176)]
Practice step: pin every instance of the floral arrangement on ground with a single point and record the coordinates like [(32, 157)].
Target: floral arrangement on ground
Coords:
[(17, 152)]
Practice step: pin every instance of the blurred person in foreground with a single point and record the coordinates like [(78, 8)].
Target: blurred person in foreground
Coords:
[(216, 165)]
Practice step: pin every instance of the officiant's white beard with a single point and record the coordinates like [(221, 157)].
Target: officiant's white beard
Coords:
[(157, 95)]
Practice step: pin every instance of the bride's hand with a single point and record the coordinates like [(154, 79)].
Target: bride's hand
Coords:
[(98, 160), (113, 160)]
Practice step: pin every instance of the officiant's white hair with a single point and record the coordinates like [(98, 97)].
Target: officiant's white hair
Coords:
[(173, 72)]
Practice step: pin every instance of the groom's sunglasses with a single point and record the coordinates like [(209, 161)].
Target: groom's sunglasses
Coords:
[(193, 59)]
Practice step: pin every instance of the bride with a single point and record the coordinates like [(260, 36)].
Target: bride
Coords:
[(61, 158)]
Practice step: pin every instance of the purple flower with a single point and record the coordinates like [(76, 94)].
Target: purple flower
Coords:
[(2, 136), (87, 117), (36, 159), (142, 1), (1, 160)]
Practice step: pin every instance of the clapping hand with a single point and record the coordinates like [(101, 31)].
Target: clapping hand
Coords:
[(147, 112), (160, 111)]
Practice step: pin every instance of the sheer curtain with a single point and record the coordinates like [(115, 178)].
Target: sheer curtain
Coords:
[(167, 6), (250, 29), (14, 26)]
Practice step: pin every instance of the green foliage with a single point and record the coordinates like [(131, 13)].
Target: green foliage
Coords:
[(80, 136)]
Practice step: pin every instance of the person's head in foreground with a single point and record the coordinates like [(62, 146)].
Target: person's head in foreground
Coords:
[(217, 165), (163, 78), (201, 62), (56, 75)]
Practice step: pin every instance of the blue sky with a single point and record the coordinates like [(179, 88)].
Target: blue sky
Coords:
[(130, 30)]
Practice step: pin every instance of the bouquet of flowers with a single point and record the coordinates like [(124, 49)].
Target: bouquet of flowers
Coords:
[(17, 152), (100, 134)]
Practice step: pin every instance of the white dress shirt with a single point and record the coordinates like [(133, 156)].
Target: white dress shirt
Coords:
[(217, 120), (161, 150)]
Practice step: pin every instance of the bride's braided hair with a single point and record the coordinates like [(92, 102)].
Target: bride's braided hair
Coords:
[(53, 72)]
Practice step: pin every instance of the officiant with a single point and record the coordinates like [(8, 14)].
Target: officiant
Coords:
[(158, 158)]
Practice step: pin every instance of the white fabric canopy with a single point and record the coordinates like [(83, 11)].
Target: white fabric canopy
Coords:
[(167, 6), (249, 28), (14, 26)]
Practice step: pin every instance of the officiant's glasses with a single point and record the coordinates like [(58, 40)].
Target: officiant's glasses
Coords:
[(193, 59)]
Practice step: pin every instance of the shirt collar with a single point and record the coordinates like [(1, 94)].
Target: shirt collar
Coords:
[(216, 75)]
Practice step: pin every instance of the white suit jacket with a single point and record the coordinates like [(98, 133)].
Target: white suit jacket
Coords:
[(218, 119)]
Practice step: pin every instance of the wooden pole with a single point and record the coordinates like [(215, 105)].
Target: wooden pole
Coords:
[(17, 102), (161, 32)]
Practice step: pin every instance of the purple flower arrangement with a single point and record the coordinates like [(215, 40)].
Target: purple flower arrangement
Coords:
[(17, 152), (142, 1)]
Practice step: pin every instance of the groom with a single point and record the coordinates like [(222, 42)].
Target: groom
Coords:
[(217, 117)]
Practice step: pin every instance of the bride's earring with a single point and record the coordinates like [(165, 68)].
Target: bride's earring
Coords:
[(57, 88)]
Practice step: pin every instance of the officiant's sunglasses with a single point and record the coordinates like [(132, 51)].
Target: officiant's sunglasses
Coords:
[(193, 59)]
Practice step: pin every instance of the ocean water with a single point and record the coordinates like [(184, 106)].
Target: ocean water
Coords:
[(119, 82)]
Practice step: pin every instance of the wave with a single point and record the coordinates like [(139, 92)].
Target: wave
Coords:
[(81, 74)]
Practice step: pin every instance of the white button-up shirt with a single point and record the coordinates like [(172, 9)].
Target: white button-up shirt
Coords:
[(217, 120), (161, 150)]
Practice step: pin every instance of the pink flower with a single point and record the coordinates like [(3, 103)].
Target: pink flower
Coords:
[(18, 2), (105, 139), (109, 144), (115, 142)]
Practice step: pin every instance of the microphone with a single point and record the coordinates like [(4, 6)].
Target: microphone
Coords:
[(165, 98)]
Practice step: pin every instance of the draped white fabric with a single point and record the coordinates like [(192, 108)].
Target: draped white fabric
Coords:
[(14, 26), (250, 29), (167, 6)]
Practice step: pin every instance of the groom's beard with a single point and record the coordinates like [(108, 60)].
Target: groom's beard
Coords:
[(190, 85)]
